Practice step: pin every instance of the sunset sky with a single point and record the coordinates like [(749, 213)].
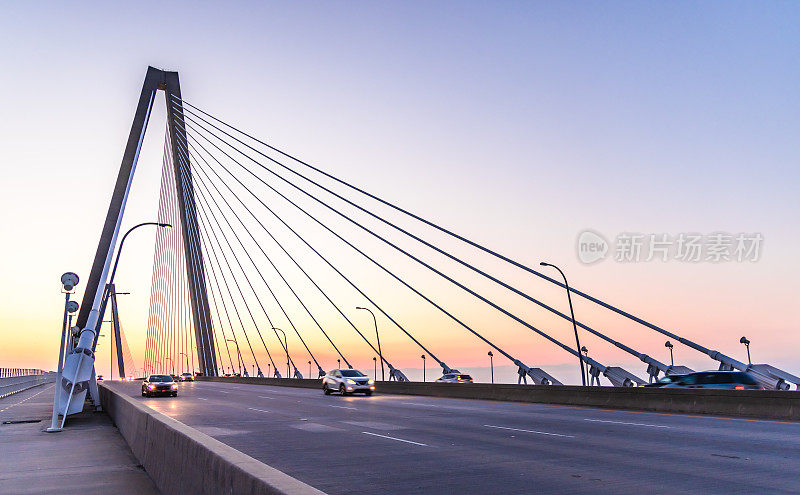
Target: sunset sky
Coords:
[(516, 124)]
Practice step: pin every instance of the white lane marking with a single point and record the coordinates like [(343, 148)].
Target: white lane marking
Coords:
[(530, 431), (375, 425), (26, 399), (265, 397), (343, 407), (223, 392), (202, 398), (624, 423), (259, 410), (419, 404), (315, 427), (393, 438)]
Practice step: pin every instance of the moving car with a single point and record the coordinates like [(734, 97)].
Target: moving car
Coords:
[(666, 380), (455, 378), (186, 377), (99, 378), (159, 385), (731, 380), (347, 382)]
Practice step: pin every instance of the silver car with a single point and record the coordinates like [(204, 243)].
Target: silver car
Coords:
[(347, 382), (455, 378)]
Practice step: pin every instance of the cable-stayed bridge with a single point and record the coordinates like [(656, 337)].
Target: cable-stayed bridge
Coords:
[(215, 282), (263, 263)]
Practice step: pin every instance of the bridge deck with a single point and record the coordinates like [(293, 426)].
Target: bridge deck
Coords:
[(406, 444), (88, 457)]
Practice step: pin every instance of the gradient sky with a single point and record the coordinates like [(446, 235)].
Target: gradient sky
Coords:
[(518, 124)]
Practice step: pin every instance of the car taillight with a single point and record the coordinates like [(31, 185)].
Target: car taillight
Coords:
[(739, 387)]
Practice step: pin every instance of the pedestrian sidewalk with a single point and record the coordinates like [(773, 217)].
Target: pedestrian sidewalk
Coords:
[(88, 457)]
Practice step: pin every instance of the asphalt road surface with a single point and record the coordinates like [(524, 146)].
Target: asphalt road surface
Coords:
[(400, 444)]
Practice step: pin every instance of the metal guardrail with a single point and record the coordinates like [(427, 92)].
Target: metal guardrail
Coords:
[(15, 384), (12, 372)]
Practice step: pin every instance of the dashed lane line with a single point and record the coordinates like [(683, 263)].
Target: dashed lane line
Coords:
[(394, 438), (624, 423), (530, 431)]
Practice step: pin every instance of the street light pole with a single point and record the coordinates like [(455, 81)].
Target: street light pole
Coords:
[(574, 326), (187, 360), (378, 336), (286, 347), (104, 301), (746, 343), (669, 346), (239, 361), (375, 367), (491, 364), (423, 368)]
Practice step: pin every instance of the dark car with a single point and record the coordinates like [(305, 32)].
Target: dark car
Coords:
[(730, 380), (159, 385), (666, 380)]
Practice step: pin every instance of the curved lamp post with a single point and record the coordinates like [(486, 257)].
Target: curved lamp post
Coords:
[(669, 346), (239, 361), (746, 343), (286, 347), (574, 326), (378, 336), (104, 302), (187, 360), (122, 243), (491, 364)]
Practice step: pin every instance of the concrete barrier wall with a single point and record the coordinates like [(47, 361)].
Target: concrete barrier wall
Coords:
[(765, 404), (182, 460)]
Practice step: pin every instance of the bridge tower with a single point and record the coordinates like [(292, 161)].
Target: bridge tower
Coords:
[(168, 82)]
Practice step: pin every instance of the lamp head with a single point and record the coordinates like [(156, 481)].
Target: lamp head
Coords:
[(584, 350), (165, 225), (744, 341), (490, 354), (668, 344), (544, 264), (69, 280)]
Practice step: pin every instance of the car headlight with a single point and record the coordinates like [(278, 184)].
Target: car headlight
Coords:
[(351, 382), (174, 386), (151, 386), (371, 382)]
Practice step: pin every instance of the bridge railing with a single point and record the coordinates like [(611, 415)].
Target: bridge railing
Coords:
[(11, 372), (14, 384)]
